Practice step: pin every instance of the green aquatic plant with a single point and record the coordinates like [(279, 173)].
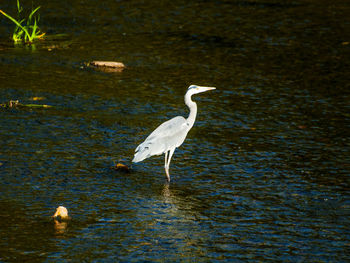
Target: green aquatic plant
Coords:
[(17, 104), (26, 30)]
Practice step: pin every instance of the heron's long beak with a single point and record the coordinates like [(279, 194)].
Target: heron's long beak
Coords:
[(202, 89)]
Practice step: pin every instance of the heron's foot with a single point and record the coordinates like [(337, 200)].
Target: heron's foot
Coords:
[(167, 174)]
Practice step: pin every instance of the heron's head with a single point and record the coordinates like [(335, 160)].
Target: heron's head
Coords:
[(194, 89)]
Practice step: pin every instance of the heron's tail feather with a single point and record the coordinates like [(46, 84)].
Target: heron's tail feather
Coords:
[(145, 150), (141, 153)]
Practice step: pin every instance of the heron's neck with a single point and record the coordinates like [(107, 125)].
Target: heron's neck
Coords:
[(193, 110)]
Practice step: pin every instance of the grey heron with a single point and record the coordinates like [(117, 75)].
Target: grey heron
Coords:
[(170, 134)]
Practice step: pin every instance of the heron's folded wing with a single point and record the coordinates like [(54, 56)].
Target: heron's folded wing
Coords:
[(168, 135)]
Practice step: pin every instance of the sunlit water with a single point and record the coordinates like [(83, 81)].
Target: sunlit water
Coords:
[(262, 176)]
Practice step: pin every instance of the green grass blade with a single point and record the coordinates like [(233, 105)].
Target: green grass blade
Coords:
[(15, 21), (32, 13), (19, 8), (34, 28), (26, 29)]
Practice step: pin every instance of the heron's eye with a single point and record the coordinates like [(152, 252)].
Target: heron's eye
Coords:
[(196, 88)]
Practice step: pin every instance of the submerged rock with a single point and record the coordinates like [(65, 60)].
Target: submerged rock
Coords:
[(122, 168), (61, 213)]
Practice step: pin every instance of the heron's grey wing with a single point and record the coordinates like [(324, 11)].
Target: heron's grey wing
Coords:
[(168, 135)]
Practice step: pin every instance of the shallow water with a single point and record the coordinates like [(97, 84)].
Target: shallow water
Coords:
[(263, 174)]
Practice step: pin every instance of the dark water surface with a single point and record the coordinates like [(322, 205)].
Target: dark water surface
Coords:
[(263, 175)]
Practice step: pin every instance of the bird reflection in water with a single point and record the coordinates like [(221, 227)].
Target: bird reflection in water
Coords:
[(169, 197), (166, 192)]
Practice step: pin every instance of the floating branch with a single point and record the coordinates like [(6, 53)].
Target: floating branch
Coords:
[(108, 66)]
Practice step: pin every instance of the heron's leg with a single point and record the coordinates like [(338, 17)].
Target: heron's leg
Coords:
[(171, 151), (166, 166), (166, 159)]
